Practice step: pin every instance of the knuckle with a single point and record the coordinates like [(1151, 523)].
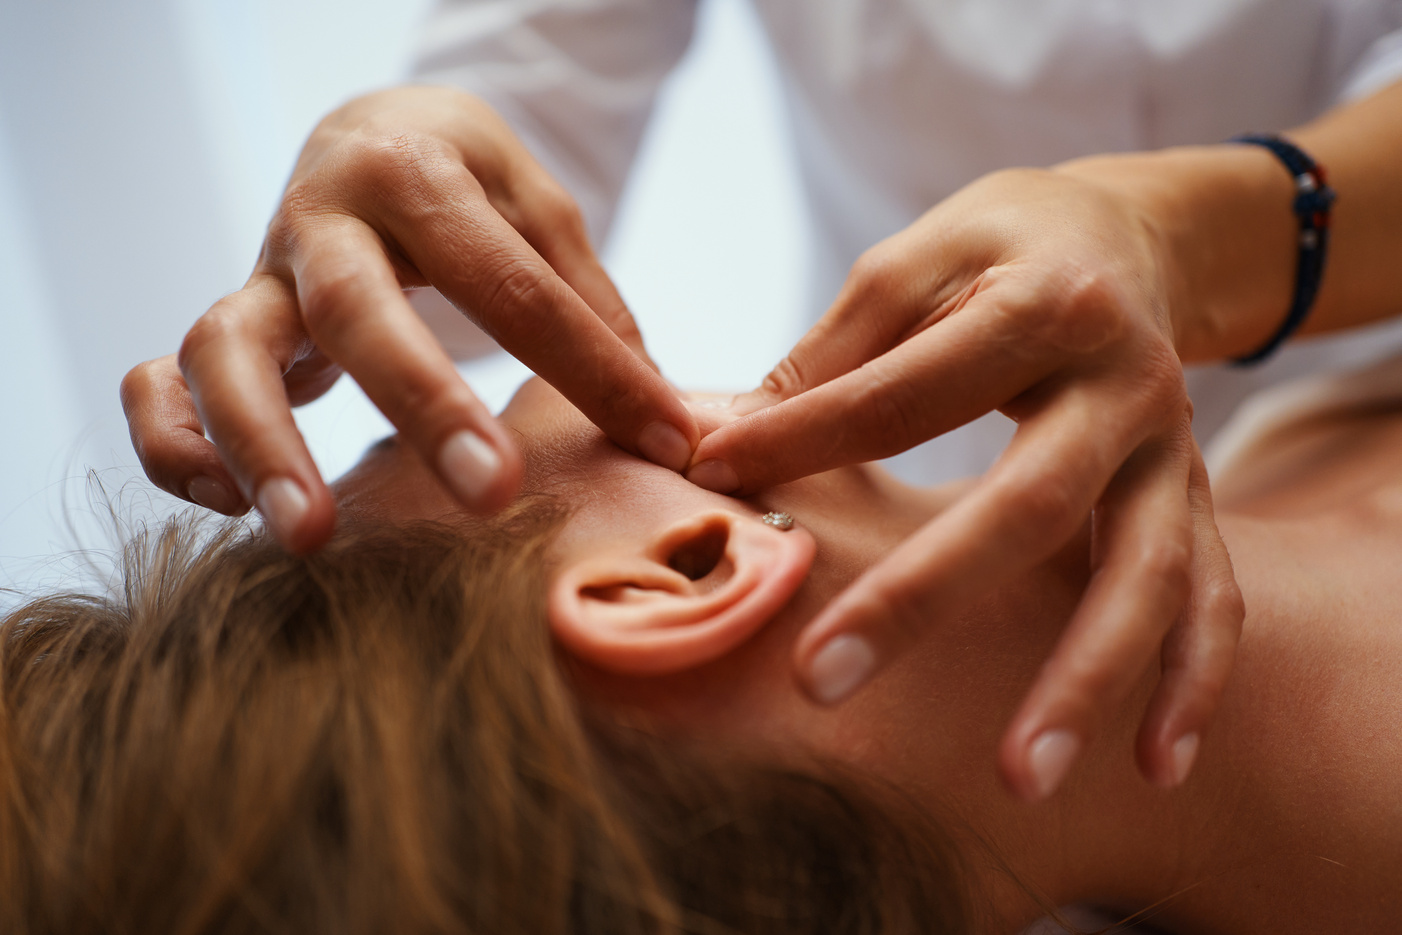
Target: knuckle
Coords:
[(427, 406), (559, 211), (328, 301), (138, 383), (1222, 601), (1159, 369), (366, 174), (296, 218), (1085, 311), (527, 299), (393, 160), (621, 322), (217, 326), (877, 275), (406, 175), (890, 415), (1167, 561), (1048, 508), (621, 401), (786, 379)]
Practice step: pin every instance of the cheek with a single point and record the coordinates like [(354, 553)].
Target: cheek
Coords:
[(748, 696)]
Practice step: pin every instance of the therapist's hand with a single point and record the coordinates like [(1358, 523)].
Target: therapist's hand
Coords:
[(1044, 296), (411, 187)]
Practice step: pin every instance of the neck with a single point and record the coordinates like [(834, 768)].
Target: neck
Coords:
[(932, 721), (1256, 824), (1290, 779)]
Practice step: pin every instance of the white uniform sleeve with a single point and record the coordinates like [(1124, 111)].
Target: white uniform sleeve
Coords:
[(1379, 68), (576, 79), (1381, 62)]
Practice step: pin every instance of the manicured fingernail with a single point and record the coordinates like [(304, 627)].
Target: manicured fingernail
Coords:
[(714, 475), (1185, 751), (841, 667), (283, 505), (469, 464), (1050, 757), (662, 443), (213, 495)]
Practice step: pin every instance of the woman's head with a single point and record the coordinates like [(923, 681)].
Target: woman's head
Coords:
[(382, 737), (652, 575), (679, 606), (386, 736)]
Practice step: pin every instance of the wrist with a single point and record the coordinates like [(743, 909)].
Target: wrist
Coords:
[(1220, 222)]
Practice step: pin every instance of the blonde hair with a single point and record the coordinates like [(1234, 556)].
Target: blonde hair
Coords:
[(378, 738)]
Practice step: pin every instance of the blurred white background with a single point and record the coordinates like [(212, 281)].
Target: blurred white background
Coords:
[(143, 146)]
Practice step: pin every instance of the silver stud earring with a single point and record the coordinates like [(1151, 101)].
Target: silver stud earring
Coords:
[(780, 521)]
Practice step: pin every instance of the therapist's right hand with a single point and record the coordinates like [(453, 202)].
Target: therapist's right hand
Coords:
[(409, 187)]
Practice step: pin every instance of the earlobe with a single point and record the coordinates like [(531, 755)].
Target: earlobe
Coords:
[(689, 596)]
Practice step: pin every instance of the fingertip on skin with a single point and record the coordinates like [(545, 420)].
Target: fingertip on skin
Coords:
[(663, 443), (1168, 763), (292, 516), (714, 475), (1184, 754), (472, 468), (839, 668), (1050, 756)]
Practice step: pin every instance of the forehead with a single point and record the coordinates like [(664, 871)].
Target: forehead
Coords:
[(555, 438), (564, 455), (557, 442)]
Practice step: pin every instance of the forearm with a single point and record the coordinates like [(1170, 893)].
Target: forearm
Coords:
[(1222, 222)]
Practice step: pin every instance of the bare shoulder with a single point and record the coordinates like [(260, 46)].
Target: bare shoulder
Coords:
[(1311, 511), (1346, 459)]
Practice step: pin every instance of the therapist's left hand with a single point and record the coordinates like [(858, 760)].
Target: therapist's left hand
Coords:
[(1046, 297)]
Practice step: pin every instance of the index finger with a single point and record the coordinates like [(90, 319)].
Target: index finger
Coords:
[(462, 245), (1032, 502), (943, 377)]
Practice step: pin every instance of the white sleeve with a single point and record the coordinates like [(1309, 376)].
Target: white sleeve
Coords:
[(576, 79), (1381, 62)]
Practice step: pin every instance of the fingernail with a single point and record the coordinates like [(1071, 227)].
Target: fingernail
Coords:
[(469, 465), (1185, 751), (213, 495), (283, 505), (714, 475), (662, 443), (840, 668), (1050, 757)]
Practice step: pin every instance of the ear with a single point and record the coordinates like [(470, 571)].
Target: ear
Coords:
[(690, 595)]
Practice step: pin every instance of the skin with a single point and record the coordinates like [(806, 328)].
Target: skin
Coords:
[(1289, 823), (1067, 298)]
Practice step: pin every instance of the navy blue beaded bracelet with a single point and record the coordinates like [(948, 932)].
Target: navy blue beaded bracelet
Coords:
[(1313, 201)]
